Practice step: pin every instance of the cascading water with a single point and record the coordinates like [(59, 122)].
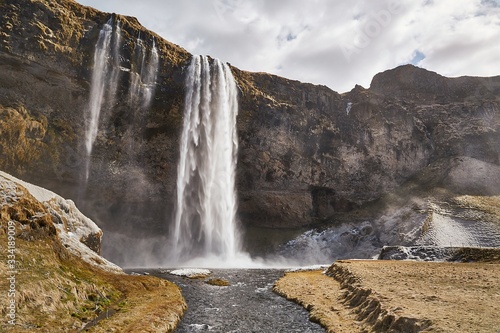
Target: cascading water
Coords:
[(115, 68), (106, 76), (143, 75), (135, 78), (144, 68), (148, 76), (205, 217), (97, 88)]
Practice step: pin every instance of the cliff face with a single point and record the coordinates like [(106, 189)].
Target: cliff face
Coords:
[(47, 59), (306, 152)]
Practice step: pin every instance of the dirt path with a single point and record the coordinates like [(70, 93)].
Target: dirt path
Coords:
[(403, 296)]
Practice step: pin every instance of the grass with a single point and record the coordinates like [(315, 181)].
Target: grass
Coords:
[(56, 291), (218, 282)]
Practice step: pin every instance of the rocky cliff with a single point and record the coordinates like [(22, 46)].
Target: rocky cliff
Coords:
[(47, 60), (308, 155)]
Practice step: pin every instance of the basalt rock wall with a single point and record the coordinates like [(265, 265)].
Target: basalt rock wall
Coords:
[(306, 152), (47, 52)]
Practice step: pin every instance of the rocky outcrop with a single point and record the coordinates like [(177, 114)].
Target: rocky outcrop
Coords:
[(307, 154), (46, 61), (57, 282), (430, 253), (422, 212), (41, 213)]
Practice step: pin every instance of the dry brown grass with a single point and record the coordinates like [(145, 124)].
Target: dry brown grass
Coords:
[(56, 291), (57, 294), (486, 204), (321, 296), (218, 282), (399, 296), (26, 132)]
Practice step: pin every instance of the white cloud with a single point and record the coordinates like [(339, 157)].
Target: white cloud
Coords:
[(338, 44)]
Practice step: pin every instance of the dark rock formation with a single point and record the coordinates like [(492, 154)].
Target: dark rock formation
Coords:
[(307, 153), (46, 62)]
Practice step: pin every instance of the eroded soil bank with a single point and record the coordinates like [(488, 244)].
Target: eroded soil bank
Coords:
[(399, 296)]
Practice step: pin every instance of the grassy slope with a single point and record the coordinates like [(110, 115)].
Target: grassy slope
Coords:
[(58, 292)]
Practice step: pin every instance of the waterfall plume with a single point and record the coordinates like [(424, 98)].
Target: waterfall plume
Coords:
[(143, 74), (205, 223)]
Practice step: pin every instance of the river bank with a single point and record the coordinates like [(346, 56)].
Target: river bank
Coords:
[(400, 296)]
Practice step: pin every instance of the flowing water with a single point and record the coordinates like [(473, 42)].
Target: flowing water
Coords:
[(99, 83), (248, 304), (115, 70), (205, 218), (148, 76), (105, 79), (143, 75)]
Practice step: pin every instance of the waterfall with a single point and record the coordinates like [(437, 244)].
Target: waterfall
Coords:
[(135, 74), (115, 68), (148, 75), (205, 216), (106, 77), (143, 75), (97, 88)]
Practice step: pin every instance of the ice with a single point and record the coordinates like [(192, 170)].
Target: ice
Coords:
[(191, 272)]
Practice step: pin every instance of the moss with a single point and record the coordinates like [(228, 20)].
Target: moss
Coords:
[(218, 282), (21, 136)]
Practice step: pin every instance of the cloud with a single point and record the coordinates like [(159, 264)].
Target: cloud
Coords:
[(338, 44)]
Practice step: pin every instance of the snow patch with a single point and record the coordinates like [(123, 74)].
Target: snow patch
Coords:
[(191, 272), (308, 268)]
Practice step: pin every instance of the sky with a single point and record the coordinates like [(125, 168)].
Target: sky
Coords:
[(337, 43)]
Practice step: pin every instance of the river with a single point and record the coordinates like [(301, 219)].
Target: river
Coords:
[(248, 304)]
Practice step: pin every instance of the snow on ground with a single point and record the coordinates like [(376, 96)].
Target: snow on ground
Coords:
[(446, 231), (308, 268), (191, 272)]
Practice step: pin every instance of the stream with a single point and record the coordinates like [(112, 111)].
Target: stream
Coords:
[(248, 304)]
